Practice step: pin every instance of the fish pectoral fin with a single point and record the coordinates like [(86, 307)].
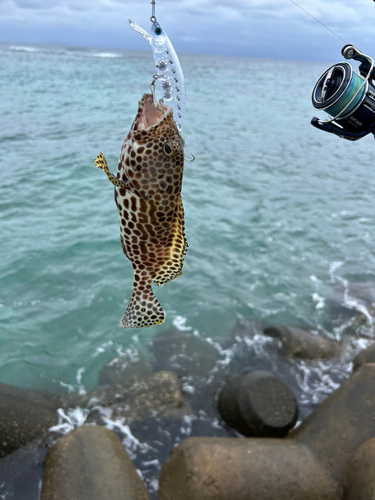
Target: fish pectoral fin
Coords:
[(143, 311), (140, 30), (101, 163)]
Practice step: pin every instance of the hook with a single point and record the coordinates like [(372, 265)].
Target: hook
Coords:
[(191, 159), (152, 88)]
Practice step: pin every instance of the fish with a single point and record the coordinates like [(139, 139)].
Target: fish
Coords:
[(148, 197), (169, 71)]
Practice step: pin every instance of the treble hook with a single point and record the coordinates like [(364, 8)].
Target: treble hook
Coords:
[(191, 159), (152, 88)]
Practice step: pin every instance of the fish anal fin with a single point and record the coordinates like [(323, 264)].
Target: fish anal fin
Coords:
[(143, 310)]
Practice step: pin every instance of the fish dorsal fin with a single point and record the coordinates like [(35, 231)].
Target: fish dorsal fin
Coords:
[(140, 30)]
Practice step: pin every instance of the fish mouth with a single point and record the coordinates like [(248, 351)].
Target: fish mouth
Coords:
[(150, 115)]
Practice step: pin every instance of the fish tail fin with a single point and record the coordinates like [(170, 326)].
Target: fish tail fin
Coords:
[(143, 310)]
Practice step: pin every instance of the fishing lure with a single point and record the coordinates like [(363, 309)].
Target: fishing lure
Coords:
[(169, 72)]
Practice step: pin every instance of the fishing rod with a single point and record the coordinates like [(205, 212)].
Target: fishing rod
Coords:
[(348, 97)]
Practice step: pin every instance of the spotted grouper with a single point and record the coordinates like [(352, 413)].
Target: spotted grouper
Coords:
[(148, 198)]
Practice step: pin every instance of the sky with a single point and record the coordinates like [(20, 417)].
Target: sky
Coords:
[(255, 28)]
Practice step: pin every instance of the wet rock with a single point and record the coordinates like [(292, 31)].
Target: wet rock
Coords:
[(125, 371), (159, 394), (342, 422), (300, 343), (360, 474), (25, 415), (251, 469), (365, 356), (247, 327), (21, 471), (183, 353), (243, 328), (345, 302), (258, 404), (90, 463)]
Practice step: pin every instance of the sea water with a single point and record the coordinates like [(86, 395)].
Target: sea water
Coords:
[(278, 213)]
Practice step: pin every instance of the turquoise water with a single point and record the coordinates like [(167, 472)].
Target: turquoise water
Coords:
[(277, 212)]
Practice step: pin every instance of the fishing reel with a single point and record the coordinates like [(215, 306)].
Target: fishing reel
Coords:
[(348, 97)]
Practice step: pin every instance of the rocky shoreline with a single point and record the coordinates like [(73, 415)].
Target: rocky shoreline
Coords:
[(172, 424)]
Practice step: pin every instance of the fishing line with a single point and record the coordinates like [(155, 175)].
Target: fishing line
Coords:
[(317, 20)]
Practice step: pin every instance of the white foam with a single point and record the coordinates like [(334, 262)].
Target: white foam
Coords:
[(131, 443), (180, 323), (319, 301), (74, 417), (20, 48), (81, 387), (105, 55)]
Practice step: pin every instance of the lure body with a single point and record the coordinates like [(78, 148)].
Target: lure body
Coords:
[(169, 70), (148, 198)]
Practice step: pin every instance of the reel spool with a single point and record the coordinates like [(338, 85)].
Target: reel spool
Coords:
[(347, 97)]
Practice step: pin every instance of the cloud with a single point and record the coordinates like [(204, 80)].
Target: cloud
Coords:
[(262, 28)]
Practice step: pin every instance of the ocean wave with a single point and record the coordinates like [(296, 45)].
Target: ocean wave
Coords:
[(107, 55), (21, 48)]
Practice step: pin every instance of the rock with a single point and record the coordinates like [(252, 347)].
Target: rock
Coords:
[(360, 474), (159, 394), (21, 471), (365, 356), (244, 469), (342, 422), (25, 415), (300, 343), (228, 406), (310, 463), (125, 371), (258, 404), (345, 302), (90, 463), (183, 353), (247, 327)]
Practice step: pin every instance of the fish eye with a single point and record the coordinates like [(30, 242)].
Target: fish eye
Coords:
[(167, 150), (157, 30)]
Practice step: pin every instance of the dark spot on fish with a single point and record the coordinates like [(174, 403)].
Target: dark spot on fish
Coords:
[(134, 204)]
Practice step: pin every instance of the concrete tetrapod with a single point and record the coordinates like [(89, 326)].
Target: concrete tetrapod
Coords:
[(25, 415), (310, 464), (244, 469), (90, 463), (360, 475), (258, 404)]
